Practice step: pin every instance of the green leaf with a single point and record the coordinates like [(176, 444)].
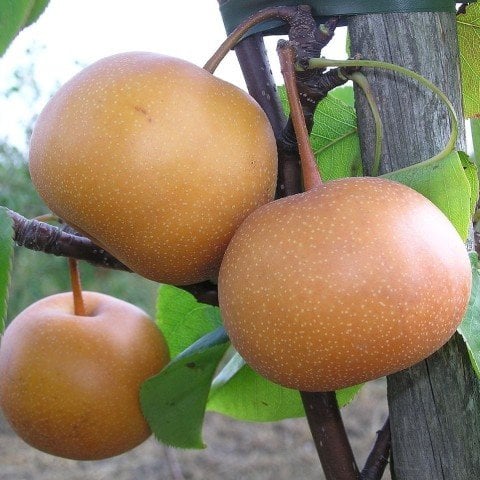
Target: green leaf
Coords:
[(471, 172), (468, 28), (334, 135), (475, 125), (174, 401), (239, 392), (344, 94), (444, 183), (37, 9), (6, 252), (15, 15), (470, 326), (182, 319)]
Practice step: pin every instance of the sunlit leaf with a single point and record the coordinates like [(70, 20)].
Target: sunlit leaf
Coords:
[(468, 27), (334, 136), (475, 126), (6, 251), (174, 401), (445, 184), (241, 393), (182, 319), (345, 94), (471, 172), (470, 326)]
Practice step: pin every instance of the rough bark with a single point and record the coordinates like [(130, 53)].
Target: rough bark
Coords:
[(435, 405)]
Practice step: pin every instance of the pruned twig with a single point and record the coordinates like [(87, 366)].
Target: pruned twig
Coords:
[(377, 461)]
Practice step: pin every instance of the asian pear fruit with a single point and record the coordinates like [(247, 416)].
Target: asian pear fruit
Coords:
[(70, 384), (156, 160), (349, 281)]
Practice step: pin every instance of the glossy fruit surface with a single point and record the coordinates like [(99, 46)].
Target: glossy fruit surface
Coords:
[(156, 160), (347, 282), (69, 385)]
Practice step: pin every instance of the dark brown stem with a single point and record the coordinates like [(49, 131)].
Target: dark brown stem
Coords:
[(377, 461), (258, 76), (78, 304), (287, 14), (46, 238), (311, 175), (255, 66), (329, 436)]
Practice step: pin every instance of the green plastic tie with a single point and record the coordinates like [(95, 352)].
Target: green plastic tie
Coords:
[(234, 12)]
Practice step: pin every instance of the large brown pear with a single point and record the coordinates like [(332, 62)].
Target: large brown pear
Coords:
[(352, 280), (156, 160), (70, 384)]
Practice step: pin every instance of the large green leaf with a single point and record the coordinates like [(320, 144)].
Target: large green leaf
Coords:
[(15, 15), (470, 326), (6, 251), (182, 319), (334, 136), (241, 393), (444, 183), (468, 27), (174, 401)]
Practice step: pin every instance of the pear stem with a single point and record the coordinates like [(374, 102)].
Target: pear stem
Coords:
[(78, 304), (310, 172), (361, 80), (450, 146)]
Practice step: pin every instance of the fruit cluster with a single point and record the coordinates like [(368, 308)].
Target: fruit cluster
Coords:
[(173, 171)]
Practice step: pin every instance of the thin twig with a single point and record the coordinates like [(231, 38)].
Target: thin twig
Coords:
[(377, 461), (173, 465), (287, 14), (42, 237), (361, 80)]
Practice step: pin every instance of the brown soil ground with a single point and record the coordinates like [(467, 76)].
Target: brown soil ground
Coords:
[(235, 451)]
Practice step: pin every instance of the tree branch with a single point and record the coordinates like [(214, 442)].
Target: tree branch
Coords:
[(42, 237), (377, 461), (329, 436)]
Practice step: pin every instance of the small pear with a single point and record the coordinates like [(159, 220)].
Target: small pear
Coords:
[(70, 384)]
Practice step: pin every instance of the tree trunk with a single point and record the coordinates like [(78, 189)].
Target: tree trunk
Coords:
[(435, 405)]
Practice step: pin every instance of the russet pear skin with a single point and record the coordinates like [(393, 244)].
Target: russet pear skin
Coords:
[(156, 160), (69, 384), (347, 282)]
